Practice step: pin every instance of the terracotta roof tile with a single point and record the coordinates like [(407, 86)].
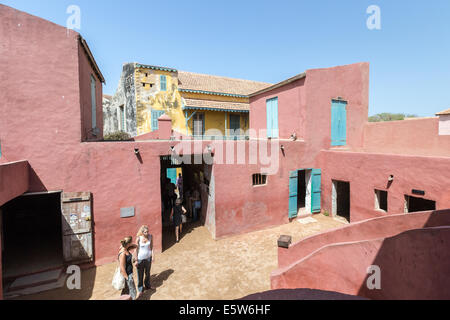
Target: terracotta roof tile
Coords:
[(443, 112), (208, 104), (204, 82)]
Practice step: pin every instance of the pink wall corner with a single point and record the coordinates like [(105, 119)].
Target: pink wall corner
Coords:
[(41, 94), (291, 110), (351, 83), (14, 179)]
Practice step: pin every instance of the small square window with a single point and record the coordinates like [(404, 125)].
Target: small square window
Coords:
[(381, 200), (259, 179), (143, 85)]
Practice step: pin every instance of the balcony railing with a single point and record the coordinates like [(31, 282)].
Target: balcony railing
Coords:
[(229, 137)]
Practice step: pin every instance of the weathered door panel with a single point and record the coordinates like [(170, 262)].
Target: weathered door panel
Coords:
[(316, 190), (338, 123), (293, 192), (76, 211)]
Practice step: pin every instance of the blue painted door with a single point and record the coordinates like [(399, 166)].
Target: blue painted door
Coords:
[(316, 191), (155, 116), (293, 192), (338, 123), (272, 118), (172, 175)]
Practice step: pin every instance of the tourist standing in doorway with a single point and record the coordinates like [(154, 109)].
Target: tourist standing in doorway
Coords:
[(180, 186), (145, 258), (177, 211), (126, 266)]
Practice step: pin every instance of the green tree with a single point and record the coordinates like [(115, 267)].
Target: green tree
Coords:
[(390, 117)]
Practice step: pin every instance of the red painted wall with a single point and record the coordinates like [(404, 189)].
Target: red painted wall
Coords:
[(367, 172), (408, 137), (375, 228), (14, 179), (413, 265), (242, 207), (291, 110), (13, 182)]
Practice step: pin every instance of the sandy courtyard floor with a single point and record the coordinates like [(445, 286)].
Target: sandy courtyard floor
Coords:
[(199, 268)]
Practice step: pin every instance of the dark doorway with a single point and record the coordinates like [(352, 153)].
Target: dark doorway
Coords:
[(414, 204), (301, 200), (32, 234), (341, 199), (195, 187)]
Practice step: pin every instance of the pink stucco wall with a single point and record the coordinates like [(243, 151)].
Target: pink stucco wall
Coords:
[(444, 125), (366, 172), (14, 179), (304, 106), (374, 228), (413, 265), (408, 137)]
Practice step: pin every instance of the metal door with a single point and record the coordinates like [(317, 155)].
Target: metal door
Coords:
[(76, 211)]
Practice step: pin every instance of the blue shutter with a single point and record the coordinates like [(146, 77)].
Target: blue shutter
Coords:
[(293, 184), (163, 83), (316, 190), (172, 175), (338, 123), (269, 118), (275, 131), (155, 116), (272, 118)]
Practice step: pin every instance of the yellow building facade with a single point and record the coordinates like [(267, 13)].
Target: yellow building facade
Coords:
[(196, 103)]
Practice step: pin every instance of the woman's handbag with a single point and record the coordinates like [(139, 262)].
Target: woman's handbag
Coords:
[(183, 218), (118, 281)]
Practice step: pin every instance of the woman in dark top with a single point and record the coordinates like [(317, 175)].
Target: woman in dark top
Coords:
[(126, 266), (177, 211)]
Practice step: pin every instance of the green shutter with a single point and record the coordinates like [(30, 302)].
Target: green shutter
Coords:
[(293, 184), (316, 190)]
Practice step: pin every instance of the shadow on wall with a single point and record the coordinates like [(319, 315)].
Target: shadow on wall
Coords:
[(412, 265), (35, 183)]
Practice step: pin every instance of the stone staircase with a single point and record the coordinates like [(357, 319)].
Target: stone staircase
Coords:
[(36, 283)]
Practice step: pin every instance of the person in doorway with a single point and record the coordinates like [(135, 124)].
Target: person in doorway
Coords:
[(126, 266), (196, 204), (180, 186), (145, 258), (177, 211)]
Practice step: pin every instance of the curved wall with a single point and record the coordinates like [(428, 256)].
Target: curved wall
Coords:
[(413, 265)]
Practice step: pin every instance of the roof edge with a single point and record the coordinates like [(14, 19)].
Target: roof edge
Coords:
[(213, 93), (279, 84), (91, 58)]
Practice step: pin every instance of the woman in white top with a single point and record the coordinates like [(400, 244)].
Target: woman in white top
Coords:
[(145, 258)]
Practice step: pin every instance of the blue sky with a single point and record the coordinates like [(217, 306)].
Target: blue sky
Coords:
[(273, 40)]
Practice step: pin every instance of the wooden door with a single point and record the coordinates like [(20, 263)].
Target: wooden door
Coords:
[(76, 211), (293, 194), (338, 123)]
